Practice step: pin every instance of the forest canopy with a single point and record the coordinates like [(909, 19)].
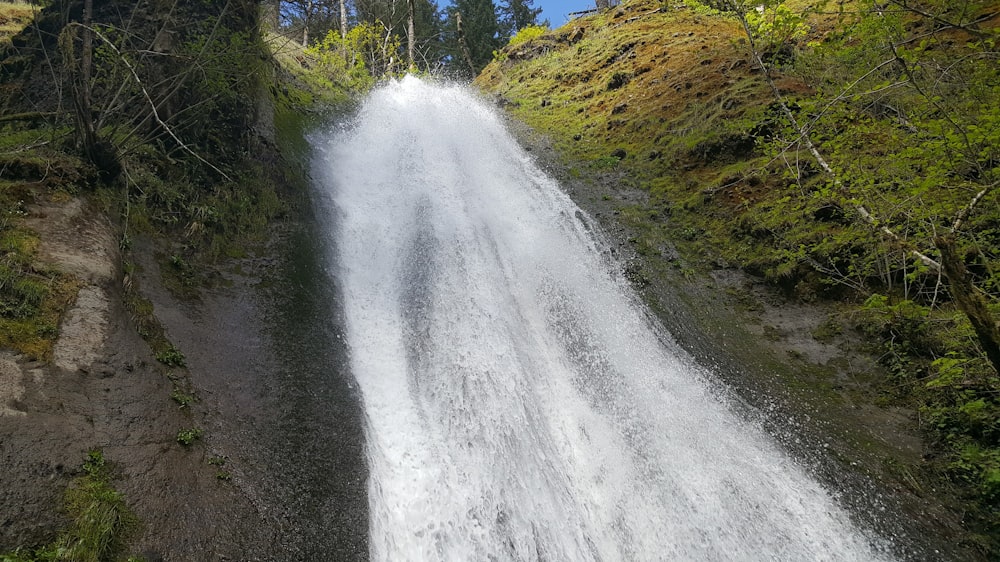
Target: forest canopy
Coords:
[(454, 39)]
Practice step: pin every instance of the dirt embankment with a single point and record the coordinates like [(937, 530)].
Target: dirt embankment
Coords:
[(280, 461)]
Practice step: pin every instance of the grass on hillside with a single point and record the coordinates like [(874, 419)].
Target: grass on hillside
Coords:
[(33, 296), (100, 525), (14, 16)]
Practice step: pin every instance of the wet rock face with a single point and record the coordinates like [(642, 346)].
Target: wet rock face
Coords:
[(12, 385), (50, 412), (286, 438)]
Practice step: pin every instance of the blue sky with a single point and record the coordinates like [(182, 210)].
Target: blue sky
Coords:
[(555, 10)]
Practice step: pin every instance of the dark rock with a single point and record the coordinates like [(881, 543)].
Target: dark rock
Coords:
[(620, 108), (669, 253), (723, 150), (831, 212), (619, 153), (633, 272), (618, 80)]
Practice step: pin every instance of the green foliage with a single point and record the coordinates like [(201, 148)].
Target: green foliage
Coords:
[(902, 325), (709, 7), (775, 25), (528, 33), (187, 437), (525, 35), (171, 357), (183, 399), (358, 59), (101, 520)]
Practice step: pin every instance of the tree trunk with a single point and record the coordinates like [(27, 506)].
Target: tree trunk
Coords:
[(84, 101), (970, 301), (464, 44), (271, 12), (343, 19), (412, 38), (307, 11)]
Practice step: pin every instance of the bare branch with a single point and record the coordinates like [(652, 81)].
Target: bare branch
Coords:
[(149, 99), (807, 141), (967, 210), (906, 6)]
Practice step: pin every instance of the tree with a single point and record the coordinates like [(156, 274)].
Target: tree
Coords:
[(480, 31), (313, 18), (946, 126), (411, 34), (395, 15), (515, 15)]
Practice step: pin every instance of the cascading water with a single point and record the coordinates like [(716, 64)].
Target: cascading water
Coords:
[(519, 403)]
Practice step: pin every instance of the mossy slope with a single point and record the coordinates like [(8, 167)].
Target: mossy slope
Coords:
[(663, 105)]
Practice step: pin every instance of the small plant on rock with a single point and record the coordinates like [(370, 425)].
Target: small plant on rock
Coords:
[(171, 357), (187, 437)]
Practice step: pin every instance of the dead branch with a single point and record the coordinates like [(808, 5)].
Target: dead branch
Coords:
[(967, 210), (149, 99), (906, 6)]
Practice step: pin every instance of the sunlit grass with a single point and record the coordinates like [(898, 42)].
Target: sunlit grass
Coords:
[(14, 16)]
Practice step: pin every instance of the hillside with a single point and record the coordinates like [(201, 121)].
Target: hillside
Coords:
[(666, 112)]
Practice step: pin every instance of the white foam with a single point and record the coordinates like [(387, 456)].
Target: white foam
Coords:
[(519, 403)]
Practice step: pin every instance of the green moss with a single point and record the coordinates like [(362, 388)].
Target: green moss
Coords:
[(32, 298), (101, 521)]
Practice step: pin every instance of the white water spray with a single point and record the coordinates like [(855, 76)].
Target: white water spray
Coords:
[(519, 403)]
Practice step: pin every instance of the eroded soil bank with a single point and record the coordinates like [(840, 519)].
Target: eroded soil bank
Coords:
[(278, 473)]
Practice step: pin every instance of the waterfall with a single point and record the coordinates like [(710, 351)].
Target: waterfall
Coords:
[(519, 402)]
